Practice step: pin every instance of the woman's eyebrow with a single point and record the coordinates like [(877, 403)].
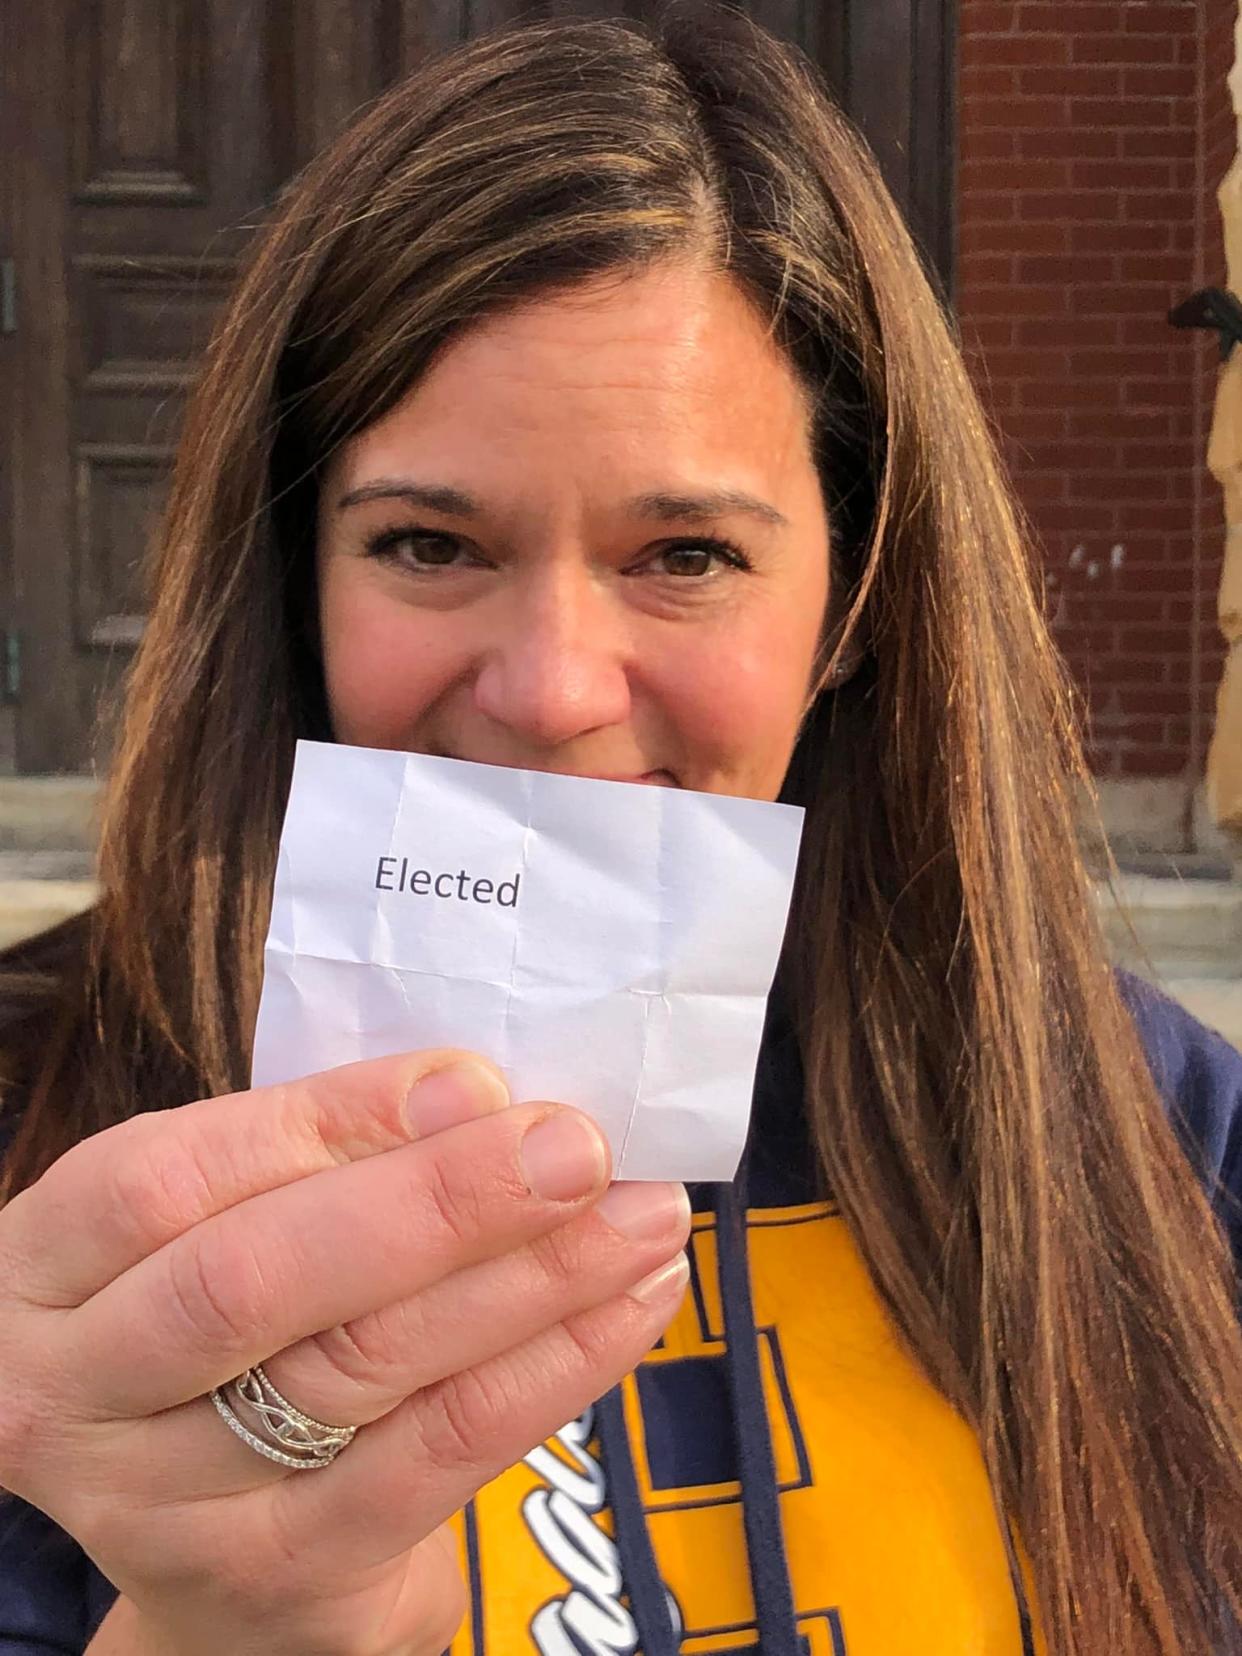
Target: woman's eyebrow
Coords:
[(436, 497), (698, 508), (664, 505)]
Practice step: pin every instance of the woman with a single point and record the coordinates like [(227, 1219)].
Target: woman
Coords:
[(584, 408)]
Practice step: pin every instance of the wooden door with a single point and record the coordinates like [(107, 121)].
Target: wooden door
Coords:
[(139, 147), (139, 139)]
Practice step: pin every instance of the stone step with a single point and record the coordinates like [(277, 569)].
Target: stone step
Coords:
[(1185, 910), (47, 865), (1214, 1001), (30, 906), (48, 813), (1186, 928), (47, 851)]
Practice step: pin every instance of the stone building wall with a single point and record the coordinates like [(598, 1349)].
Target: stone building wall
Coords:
[(1093, 134), (1225, 755)]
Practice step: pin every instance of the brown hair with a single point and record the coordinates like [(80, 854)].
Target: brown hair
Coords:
[(980, 1098)]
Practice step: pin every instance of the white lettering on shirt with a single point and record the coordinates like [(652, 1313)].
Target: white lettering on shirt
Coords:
[(561, 1520)]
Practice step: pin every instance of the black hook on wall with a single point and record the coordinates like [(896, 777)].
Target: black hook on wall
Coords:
[(1212, 308)]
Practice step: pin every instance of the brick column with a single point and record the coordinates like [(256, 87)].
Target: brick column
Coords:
[(1224, 765), (1093, 136)]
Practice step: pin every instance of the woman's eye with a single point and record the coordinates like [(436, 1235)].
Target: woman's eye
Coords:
[(416, 549), (419, 550), (694, 560), (688, 560)]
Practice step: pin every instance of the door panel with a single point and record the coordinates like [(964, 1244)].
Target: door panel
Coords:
[(143, 321), (117, 494), (138, 77), (146, 146), (141, 141)]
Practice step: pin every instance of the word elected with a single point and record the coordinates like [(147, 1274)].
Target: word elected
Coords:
[(425, 884)]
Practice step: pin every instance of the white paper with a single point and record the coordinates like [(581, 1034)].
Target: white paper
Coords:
[(607, 945)]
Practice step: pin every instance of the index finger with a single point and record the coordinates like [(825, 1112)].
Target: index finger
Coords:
[(128, 1191)]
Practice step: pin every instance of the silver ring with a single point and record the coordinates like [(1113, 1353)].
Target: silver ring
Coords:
[(289, 1437)]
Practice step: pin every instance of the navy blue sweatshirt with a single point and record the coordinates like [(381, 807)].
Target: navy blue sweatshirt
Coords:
[(694, 1503)]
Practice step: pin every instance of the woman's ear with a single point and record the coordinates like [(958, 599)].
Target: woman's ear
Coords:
[(839, 671), (844, 639), (843, 662), (831, 677)]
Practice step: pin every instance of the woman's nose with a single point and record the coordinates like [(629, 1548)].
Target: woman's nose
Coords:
[(557, 666)]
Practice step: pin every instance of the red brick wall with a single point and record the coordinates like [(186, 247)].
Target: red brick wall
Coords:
[(1092, 138), (1218, 146)]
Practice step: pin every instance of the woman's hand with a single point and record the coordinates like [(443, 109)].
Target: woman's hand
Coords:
[(403, 1253)]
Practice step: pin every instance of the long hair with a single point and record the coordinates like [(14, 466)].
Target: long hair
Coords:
[(979, 1096)]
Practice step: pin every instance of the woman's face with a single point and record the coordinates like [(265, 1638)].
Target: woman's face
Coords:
[(590, 540)]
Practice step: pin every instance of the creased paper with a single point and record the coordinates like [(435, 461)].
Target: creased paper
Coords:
[(607, 945)]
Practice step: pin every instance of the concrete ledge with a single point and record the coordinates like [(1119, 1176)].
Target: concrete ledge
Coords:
[(1186, 928), (48, 813), (29, 906), (46, 865), (1215, 1003), (1218, 1005), (1182, 903), (1142, 817)]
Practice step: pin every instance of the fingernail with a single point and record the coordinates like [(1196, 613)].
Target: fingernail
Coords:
[(448, 1097), (663, 1284), (564, 1157), (643, 1212)]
